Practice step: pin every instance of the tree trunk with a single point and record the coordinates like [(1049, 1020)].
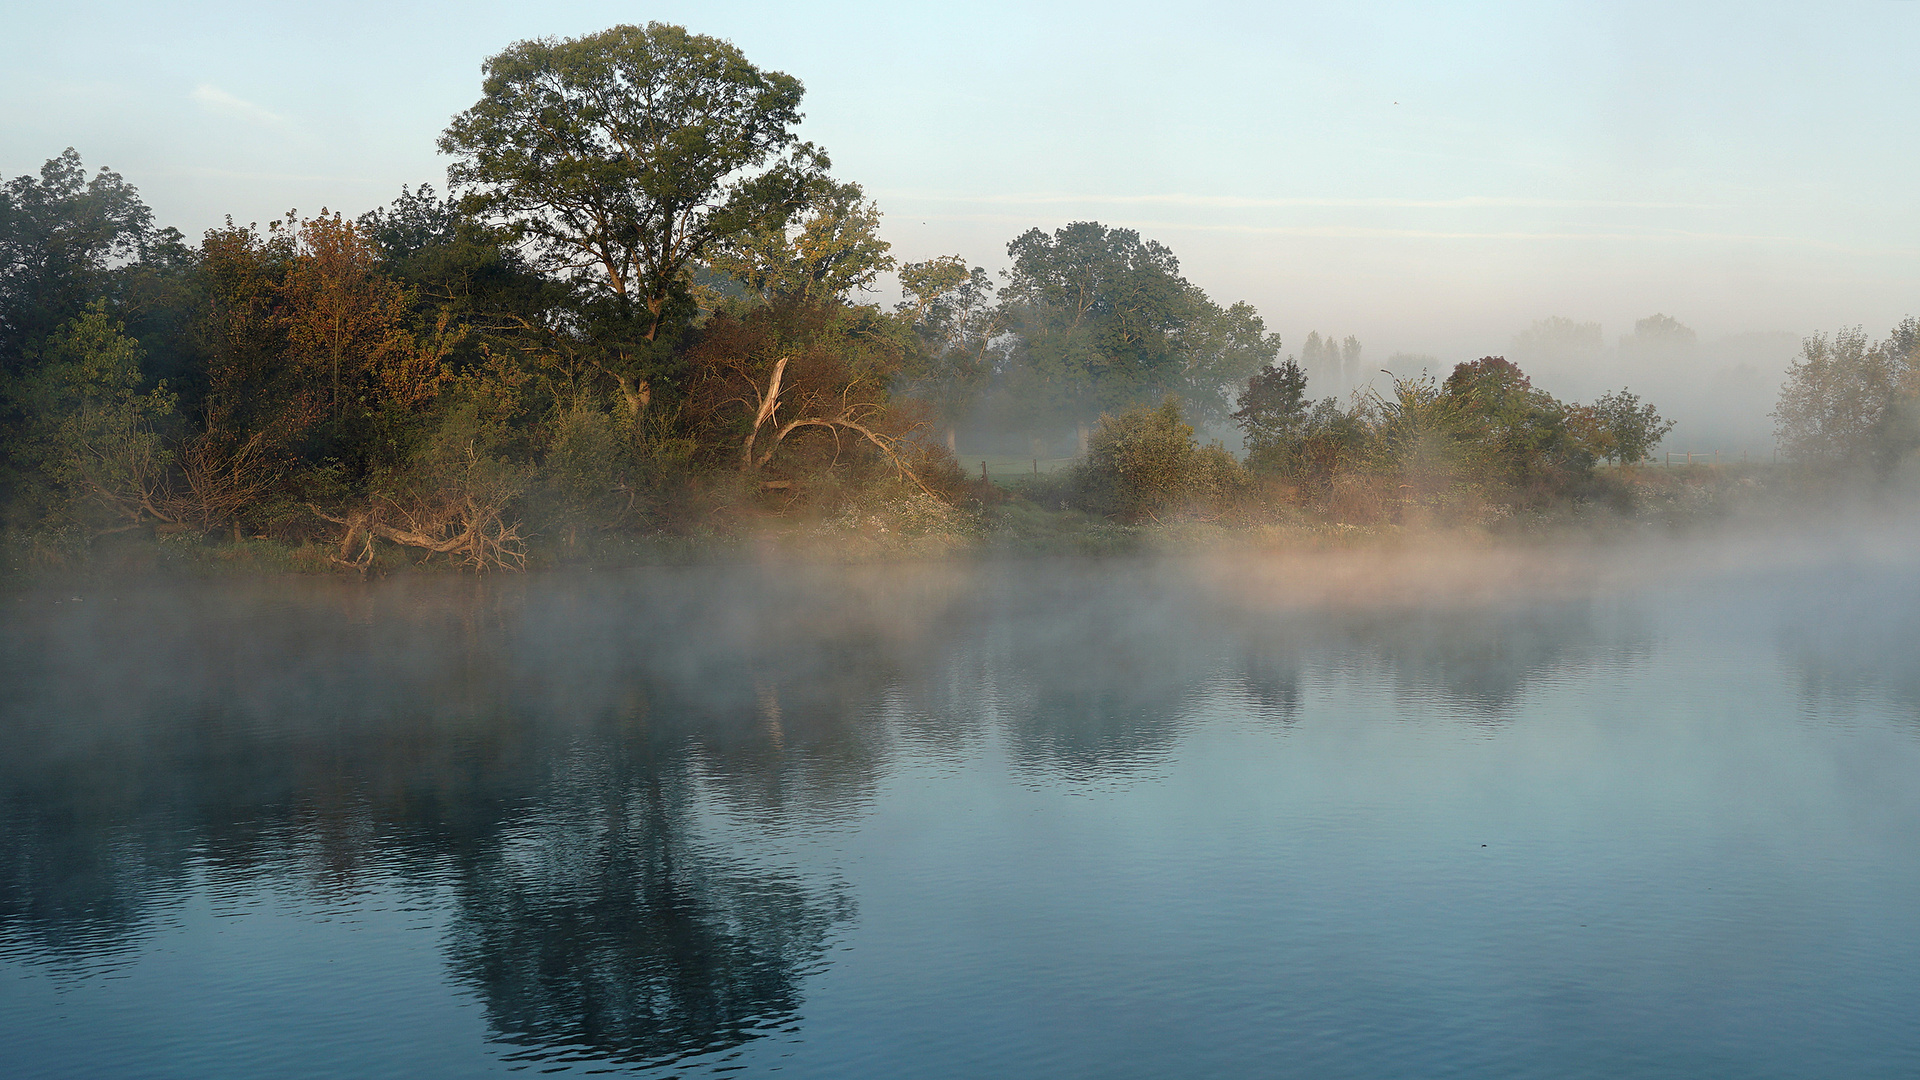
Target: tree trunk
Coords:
[(769, 404), (638, 395)]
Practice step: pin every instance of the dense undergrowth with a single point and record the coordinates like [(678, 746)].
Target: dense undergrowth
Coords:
[(1030, 517)]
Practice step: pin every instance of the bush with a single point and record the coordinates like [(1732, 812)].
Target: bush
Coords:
[(1144, 464), (1848, 404)]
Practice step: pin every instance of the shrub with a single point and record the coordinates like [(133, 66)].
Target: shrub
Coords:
[(1144, 463)]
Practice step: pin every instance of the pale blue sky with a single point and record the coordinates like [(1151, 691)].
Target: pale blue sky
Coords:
[(1429, 178)]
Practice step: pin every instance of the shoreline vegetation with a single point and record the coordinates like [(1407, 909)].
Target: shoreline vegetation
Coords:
[(639, 331), (889, 525)]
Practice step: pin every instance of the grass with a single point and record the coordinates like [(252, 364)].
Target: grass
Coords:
[(1002, 468)]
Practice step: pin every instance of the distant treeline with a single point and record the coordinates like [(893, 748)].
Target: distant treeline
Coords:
[(642, 311)]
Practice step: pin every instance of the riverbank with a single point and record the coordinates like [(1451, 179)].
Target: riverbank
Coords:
[(1010, 517)]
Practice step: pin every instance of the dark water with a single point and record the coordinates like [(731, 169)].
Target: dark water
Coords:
[(1052, 820)]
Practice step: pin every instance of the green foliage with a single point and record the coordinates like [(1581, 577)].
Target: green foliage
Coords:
[(834, 251), (598, 474), (470, 458), (1487, 432), (464, 275), (1848, 404), (1325, 440), (1628, 428), (1512, 434), (949, 304), (1273, 407), (1222, 348), (1214, 479), (94, 430), (61, 235), (586, 461), (1104, 320), (622, 156), (1417, 435), (639, 319), (1145, 463)]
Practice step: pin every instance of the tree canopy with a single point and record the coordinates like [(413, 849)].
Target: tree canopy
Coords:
[(60, 234), (622, 157), (1104, 320)]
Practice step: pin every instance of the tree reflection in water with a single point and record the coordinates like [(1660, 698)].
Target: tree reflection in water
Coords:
[(558, 790), (592, 768), (603, 928)]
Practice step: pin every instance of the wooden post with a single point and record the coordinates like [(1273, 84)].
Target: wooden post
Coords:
[(983, 472)]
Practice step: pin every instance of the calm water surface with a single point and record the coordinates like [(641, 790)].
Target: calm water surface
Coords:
[(1534, 817)]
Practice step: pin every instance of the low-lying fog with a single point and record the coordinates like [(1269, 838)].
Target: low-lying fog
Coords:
[(1720, 390), (1628, 810)]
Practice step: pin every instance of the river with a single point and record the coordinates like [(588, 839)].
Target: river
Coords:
[(1613, 813)]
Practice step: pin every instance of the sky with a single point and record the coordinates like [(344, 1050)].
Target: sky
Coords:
[(1429, 178)]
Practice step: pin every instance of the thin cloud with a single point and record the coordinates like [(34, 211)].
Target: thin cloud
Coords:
[(215, 100), (1350, 232), (1235, 202), (210, 173)]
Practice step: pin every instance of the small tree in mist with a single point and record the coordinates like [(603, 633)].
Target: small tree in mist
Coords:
[(1659, 334), (1338, 361), (1850, 404), (949, 303), (1520, 436), (1558, 338), (1145, 463), (1287, 435), (93, 423), (1269, 411), (1100, 319), (1626, 429)]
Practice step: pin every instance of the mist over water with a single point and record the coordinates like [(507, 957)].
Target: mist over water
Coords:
[(1633, 811)]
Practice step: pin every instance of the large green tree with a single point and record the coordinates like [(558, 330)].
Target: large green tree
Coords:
[(949, 303), (61, 235), (1104, 321), (833, 251), (1098, 312), (621, 158)]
